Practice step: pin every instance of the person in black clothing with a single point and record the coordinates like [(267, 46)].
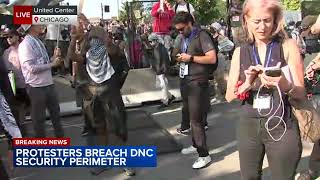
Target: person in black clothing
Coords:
[(106, 71), (266, 125), (196, 54), (6, 101)]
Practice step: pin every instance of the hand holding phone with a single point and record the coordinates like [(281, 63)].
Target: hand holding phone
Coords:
[(273, 71), (178, 56)]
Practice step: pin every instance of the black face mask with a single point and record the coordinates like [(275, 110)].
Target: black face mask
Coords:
[(187, 32)]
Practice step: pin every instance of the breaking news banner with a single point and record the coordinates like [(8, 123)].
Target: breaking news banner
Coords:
[(57, 152), (45, 15)]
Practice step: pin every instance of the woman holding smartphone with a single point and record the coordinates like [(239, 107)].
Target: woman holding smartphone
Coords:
[(264, 127)]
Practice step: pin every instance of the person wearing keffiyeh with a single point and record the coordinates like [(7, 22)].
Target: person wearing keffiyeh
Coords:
[(103, 105)]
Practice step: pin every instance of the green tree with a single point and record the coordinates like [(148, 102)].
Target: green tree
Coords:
[(207, 11), (291, 5), (124, 12)]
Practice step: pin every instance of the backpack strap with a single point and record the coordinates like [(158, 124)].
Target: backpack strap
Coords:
[(176, 7), (188, 7)]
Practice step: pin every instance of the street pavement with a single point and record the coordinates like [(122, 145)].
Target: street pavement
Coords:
[(221, 141), (173, 166)]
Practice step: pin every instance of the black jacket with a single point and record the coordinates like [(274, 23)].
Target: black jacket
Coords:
[(4, 81)]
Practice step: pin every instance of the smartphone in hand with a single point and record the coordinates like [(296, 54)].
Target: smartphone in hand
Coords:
[(273, 72)]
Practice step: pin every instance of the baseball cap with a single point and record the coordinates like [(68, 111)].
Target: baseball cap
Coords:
[(216, 26)]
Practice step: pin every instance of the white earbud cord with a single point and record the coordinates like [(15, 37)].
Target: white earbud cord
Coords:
[(281, 104)]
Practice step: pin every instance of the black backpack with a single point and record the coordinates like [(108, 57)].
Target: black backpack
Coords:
[(176, 7), (212, 67)]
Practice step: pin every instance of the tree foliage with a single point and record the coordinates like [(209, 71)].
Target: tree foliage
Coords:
[(124, 12), (291, 5), (207, 11)]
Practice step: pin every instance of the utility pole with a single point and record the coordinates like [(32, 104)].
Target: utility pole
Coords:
[(228, 3), (101, 11), (118, 14)]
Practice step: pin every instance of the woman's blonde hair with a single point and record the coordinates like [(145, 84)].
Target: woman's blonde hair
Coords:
[(272, 5)]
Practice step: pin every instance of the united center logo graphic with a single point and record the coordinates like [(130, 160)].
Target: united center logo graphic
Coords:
[(45, 15)]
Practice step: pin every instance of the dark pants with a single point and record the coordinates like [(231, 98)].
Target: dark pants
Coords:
[(185, 123), (195, 97), (21, 105), (42, 98), (3, 172), (314, 163), (104, 108), (254, 142)]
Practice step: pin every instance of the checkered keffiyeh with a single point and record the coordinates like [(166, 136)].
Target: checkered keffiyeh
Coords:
[(98, 65)]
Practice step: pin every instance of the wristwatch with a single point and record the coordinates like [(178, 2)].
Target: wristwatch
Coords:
[(191, 58)]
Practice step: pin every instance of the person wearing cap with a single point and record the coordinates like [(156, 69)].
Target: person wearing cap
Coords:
[(315, 29), (36, 69), (225, 46), (183, 6), (160, 65), (314, 163), (310, 38), (11, 60)]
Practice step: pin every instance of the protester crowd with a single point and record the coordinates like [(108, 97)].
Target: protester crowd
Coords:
[(99, 58)]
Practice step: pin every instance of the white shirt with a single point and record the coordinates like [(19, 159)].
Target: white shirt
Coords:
[(35, 63), (184, 8)]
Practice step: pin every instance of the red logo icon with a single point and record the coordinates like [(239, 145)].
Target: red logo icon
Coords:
[(22, 14)]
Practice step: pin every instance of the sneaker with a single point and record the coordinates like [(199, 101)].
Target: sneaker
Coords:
[(129, 172), (206, 127), (98, 170), (85, 132), (201, 162), (189, 150), (172, 98), (308, 175), (184, 132), (170, 101)]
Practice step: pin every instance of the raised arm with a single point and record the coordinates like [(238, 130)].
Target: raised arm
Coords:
[(154, 11), (233, 76)]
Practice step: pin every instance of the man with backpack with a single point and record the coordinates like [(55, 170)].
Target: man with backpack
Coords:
[(183, 6), (197, 56)]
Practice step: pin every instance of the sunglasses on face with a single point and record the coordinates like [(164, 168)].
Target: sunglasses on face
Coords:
[(9, 37), (181, 29)]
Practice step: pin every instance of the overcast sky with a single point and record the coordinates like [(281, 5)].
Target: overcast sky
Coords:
[(92, 8)]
